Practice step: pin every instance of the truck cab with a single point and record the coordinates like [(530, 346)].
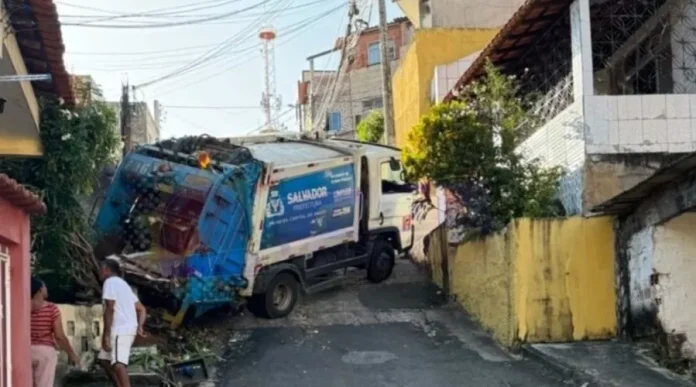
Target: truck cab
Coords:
[(386, 196)]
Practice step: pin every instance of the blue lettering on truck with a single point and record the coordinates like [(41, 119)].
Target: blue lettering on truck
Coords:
[(309, 205)]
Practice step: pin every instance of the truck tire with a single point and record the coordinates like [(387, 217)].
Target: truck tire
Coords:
[(279, 299), (381, 262)]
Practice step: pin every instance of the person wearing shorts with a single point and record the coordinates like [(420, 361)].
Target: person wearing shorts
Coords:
[(124, 317)]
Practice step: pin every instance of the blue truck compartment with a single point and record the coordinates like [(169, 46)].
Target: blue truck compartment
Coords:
[(196, 223)]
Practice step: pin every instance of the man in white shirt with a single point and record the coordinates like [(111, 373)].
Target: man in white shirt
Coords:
[(124, 317)]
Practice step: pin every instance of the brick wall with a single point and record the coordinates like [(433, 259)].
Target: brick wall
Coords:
[(396, 34)]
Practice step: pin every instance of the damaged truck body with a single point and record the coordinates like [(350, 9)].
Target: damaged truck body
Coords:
[(204, 222)]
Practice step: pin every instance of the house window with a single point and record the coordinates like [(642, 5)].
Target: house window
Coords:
[(357, 119), (373, 55), (335, 122), (372, 103)]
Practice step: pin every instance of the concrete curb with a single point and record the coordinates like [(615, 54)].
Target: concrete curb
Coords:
[(560, 367)]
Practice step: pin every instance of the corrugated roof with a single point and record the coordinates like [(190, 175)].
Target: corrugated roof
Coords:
[(40, 40), (628, 200), (523, 29), (20, 197)]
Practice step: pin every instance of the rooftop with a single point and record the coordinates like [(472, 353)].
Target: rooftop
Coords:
[(523, 29), (20, 197), (37, 29)]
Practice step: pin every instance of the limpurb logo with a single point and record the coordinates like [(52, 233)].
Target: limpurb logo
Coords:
[(307, 195)]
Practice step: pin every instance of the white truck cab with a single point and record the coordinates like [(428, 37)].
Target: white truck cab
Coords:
[(387, 197)]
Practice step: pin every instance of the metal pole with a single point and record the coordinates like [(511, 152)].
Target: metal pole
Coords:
[(389, 133), (310, 124)]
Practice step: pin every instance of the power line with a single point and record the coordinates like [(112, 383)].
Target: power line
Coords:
[(187, 14), (211, 107), (170, 24), (285, 39), (206, 58)]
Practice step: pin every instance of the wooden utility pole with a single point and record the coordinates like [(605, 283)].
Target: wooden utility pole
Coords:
[(389, 132), (126, 119)]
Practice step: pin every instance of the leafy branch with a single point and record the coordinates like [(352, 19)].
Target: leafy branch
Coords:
[(77, 145), (469, 148)]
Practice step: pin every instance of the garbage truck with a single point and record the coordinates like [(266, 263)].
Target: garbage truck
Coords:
[(204, 222)]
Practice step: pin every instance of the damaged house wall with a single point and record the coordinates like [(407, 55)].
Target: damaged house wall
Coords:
[(606, 176), (655, 266), (661, 269)]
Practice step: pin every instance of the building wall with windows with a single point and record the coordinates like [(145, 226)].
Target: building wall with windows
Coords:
[(361, 89)]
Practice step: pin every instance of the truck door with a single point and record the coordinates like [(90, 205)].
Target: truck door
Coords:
[(223, 233), (395, 199)]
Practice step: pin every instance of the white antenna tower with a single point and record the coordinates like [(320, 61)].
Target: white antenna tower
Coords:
[(270, 102)]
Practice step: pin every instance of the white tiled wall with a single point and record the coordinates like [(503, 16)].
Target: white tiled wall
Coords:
[(560, 143), (640, 123), (446, 76)]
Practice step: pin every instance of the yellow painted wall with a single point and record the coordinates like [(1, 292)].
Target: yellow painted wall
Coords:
[(542, 280), (481, 280), (564, 279), (412, 80)]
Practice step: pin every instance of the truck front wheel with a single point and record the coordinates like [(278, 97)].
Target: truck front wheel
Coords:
[(279, 299), (381, 262)]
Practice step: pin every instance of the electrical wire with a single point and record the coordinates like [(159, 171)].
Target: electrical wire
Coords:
[(158, 59), (207, 58), (170, 24), (263, 126), (191, 16), (185, 8), (287, 37), (339, 78), (211, 107)]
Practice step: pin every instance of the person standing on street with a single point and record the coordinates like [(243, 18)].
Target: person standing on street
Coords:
[(46, 332), (124, 317)]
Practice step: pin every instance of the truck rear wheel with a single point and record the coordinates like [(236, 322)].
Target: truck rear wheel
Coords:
[(381, 262), (279, 299)]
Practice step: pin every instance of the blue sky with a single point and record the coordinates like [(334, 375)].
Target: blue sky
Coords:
[(234, 77)]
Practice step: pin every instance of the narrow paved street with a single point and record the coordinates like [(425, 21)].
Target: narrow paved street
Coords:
[(395, 334)]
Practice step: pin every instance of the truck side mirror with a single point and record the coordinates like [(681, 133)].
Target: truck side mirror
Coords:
[(394, 164)]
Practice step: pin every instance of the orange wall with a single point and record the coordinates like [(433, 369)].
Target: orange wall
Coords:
[(14, 233)]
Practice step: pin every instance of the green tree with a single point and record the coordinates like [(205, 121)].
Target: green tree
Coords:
[(468, 147), (371, 128), (77, 143)]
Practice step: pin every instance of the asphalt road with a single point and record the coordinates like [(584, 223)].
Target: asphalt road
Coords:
[(395, 334)]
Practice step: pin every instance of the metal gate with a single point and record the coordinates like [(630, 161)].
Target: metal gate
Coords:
[(5, 343)]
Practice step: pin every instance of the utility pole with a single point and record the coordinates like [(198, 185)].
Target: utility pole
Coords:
[(125, 118), (310, 90), (389, 132)]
